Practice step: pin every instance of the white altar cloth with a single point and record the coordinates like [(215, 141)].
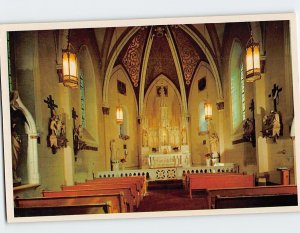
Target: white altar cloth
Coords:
[(169, 160)]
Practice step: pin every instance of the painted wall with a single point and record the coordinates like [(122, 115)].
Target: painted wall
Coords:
[(36, 74), (200, 141), (128, 103)]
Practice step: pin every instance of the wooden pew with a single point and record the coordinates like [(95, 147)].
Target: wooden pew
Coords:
[(249, 191), (256, 201), (195, 175), (100, 208), (79, 191), (61, 198), (139, 181), (218, 181), (120, 187)]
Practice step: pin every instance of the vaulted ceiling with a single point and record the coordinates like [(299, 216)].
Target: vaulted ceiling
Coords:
[(161, 60)]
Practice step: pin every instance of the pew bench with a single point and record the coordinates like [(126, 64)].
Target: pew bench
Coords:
[(139, 182), (256, 201), (249, 191), (100, 208), (79, 191), (116, 200), (219, 181)]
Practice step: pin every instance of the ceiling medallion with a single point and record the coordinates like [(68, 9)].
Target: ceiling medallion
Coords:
[(159, 31)]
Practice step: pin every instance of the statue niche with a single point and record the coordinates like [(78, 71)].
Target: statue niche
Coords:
[(24, 139)]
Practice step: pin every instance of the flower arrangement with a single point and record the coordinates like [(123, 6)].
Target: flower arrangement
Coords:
[(208, 156)]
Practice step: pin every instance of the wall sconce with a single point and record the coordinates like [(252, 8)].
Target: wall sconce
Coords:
[(208, 111), (119, 115), (253, 71), (70, 70)]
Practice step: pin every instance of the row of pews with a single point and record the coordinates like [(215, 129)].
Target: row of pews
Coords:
[(232, 190), (98, 196)]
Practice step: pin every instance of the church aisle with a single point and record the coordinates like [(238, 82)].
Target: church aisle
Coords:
[(170, 197)]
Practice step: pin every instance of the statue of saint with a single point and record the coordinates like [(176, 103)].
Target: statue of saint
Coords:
[(213, 141), (16, 147), (113, 150), (145, 138), (276, 125), (184, 136)]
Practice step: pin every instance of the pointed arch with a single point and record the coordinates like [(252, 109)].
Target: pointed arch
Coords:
[(204, 46), (110, 67), (122, 69)]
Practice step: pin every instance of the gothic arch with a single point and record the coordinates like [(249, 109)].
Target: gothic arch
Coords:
[(163, 77), (121, 68), (110, 67), (210, 59), (31, 131), (201, 64)]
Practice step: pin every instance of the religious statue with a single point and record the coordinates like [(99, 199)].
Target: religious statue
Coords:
[(272, 125), (113, 150), (145, 138), (16, 147), (114, 156), (248, 127), (184, 136), (77, 136), (214, 141), (53, 128), (57, 129)]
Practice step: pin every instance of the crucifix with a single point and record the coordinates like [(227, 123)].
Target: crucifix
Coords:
[(253, 137), (251, 108), (74, 116), (51, 105), (275, 96)]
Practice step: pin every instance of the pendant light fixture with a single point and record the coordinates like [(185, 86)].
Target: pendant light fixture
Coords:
[(207, 105), (70, 72), (119, 109), (253, 71)]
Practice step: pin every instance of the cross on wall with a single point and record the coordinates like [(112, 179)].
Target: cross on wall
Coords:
[(51, 105), (275, 95)]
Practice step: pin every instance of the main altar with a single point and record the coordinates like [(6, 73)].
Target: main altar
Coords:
[(164, 134)]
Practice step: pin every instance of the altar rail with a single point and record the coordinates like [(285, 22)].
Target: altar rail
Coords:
[(177, 173)]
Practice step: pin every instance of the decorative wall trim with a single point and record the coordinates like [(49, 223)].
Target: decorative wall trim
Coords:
[(170, 173)]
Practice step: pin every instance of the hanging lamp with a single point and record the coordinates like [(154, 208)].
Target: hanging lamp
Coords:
[(119, 109), (70, 73), (253, 72)]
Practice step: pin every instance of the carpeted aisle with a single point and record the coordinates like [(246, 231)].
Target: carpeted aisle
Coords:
[(170, 196)]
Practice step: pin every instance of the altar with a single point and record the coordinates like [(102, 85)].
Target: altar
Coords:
[(168, 160)]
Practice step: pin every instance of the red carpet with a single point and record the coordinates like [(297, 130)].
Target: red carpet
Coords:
[(168, 197)]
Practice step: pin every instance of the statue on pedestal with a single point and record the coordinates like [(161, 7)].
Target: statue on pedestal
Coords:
[(16, 147), (184, 136), (214, 147), (145, 138)]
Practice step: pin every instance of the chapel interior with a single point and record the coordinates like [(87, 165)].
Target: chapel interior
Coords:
[(165, 103)]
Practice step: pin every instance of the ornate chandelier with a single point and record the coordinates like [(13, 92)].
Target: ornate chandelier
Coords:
[(70, 74), (253, 72)]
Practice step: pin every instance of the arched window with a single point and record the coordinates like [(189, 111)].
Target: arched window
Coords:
[(237, 86), (82, 100), (202, 122)]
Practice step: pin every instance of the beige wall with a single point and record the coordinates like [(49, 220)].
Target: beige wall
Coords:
[(128, 102), (200, 141), (36, 74)]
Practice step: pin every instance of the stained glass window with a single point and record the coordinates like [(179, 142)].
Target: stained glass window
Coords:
[(82, 100), (202, 121)]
